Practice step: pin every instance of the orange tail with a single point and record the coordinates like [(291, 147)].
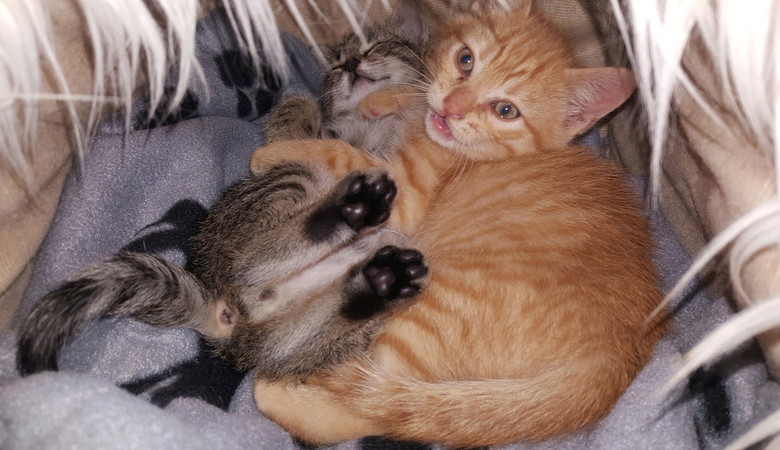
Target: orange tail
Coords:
[(478, 412)]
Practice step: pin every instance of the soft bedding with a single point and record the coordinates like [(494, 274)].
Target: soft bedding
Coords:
[(124, 384)]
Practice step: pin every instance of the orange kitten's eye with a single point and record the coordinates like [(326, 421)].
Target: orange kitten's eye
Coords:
[(506, 110), (465, 60)]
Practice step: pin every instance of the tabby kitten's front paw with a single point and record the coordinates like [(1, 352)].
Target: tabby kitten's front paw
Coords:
[(396, 273), (295, 117), (367, 200)]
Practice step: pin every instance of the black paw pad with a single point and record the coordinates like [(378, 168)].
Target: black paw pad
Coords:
[(367, 201), (395, 273)]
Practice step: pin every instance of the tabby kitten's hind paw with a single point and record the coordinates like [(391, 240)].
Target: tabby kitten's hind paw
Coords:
[(395, 273), (367, 200), (391, 276)]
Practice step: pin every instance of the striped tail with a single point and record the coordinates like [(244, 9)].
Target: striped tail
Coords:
[(137, 285), (475, 413)]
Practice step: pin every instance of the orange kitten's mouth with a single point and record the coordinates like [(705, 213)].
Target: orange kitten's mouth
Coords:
[(437, 125)]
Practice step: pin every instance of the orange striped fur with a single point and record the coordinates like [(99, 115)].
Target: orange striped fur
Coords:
[(532, 323)]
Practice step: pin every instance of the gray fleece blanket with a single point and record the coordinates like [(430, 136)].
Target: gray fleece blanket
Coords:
[(124, 384)]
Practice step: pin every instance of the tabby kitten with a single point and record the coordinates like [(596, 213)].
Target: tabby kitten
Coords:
[(532, 323), (391, 55), (293, 272), (287, 280)]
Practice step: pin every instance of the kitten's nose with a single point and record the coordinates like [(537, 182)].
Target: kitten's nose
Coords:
[(457, 104), (451, 110), (351, 64)]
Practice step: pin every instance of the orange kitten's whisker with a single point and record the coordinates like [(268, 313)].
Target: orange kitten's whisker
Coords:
[(428, 75), (413, 52), (422, 74), (417, 81), (420, 94)]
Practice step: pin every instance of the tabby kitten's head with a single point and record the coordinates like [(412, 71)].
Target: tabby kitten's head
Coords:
[(391, 54), (504, 85)]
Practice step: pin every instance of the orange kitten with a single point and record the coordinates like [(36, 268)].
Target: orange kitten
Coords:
[(532, 323)]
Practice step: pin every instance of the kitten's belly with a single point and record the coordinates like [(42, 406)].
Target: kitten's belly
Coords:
[(523, 279), (451, 335)]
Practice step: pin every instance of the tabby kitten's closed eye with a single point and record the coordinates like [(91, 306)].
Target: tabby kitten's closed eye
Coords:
[(391, 55), (533, 320)]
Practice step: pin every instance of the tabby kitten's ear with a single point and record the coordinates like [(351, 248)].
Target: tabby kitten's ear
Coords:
[(410, 18), (486, 6), (594, 93)]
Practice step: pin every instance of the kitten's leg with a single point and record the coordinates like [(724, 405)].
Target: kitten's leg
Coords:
[(337, 156), (310, 413), (392, 276), (363, 200), (391, 100), (296, 117), (360, 200)]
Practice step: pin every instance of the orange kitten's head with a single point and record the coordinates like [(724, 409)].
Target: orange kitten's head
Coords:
[(504, 85)]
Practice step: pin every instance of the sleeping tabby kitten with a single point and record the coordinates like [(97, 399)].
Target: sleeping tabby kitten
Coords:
[(532, 323), (392, 55), (287, 280), (293, 272)]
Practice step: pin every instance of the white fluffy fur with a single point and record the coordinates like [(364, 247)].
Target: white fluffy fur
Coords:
[(25, 39), (126, 37), (743, 40), (741, 37)]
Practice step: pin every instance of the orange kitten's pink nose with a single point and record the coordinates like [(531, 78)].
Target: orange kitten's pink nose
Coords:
[(457, 104), (452, 110)]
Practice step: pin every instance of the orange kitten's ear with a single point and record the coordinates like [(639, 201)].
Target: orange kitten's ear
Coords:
[(594, 93), (486, 6)]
